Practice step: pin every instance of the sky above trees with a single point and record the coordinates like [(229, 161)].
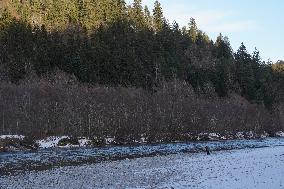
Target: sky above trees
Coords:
[(256, 23)]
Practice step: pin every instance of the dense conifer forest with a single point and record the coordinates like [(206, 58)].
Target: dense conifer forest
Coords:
[(104, 68)]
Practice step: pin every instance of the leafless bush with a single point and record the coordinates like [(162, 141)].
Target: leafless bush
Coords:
[(61, 106)]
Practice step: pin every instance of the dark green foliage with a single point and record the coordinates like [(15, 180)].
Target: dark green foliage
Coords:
[(106, 42), (193, 31), (42, 58), (18, 42), (245, 73), (224, 66)]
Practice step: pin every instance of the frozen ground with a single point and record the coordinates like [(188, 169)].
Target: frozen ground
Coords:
[(16, 162), (260, 168)]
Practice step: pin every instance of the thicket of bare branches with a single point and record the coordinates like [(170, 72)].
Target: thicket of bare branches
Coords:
[(62, 106)]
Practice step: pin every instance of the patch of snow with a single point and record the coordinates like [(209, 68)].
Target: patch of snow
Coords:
[(250, 135), (208, 136), (214, 136), (279, 134), (21, 137), (230, 136), (50, 142), (202, 136), (143, 140), (83, 142), (240, 135), (109, 140), (69, 146), (264, 135)]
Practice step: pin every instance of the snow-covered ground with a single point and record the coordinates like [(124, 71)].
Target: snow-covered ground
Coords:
[(21, 137), (50, 141), (279, 134), (53, 141), (260, 168)]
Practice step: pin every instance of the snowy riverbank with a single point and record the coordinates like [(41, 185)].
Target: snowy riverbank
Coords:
[(10, 143), (247, 168), (42, 159)]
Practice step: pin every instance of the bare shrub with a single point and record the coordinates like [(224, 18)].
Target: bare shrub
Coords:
[(59, 105)]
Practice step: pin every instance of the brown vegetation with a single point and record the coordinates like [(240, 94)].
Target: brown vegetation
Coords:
[(61, 106)]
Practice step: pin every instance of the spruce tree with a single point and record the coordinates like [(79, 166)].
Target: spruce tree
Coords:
[(136, 15), (193, 30), (158, 17), (224, 66), (148, 18), (244, 73)]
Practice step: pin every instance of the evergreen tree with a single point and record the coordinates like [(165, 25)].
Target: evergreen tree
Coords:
[(158, 17), (136, 14), (148, 17), (42, 58), (19, 42), (103, 41), (5, 20), (244, 73), (82, 11), (193, 30), (224, 66)]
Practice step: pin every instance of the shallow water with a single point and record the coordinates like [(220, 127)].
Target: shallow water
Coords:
[(12, 163)]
